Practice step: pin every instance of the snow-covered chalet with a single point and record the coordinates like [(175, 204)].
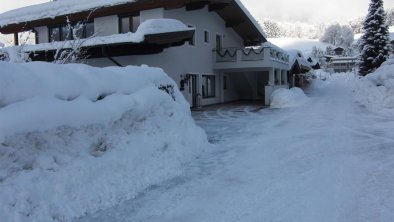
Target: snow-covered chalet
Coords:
[(214, 49)]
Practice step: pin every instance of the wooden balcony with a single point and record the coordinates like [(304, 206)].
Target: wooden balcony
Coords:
[(250, 59)]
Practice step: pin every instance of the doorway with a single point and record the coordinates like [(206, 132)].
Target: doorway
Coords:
[(193, 90)]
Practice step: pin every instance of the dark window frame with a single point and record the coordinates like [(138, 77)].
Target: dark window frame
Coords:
[(130, 17), (219, 42), (206, 93), (51, 35), (60, 33), (206, 36)]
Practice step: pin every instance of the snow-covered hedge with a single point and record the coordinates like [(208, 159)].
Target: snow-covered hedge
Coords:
[(284, 98), (376, 90), (75, 139)]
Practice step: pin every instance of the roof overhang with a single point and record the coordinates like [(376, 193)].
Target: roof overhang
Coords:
[(232, 12), (153, 43)]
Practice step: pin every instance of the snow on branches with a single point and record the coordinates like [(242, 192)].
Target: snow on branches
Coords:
[(375, 44)]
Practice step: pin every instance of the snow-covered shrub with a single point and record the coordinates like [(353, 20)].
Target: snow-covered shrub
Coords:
[(284, 98), (76, 139), (376, 90), (14, 54)]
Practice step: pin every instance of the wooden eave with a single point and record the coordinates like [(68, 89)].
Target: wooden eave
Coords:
[(237, 19), (229, 10), (153, 43)]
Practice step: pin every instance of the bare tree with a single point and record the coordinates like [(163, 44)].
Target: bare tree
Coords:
[(72, 51), (338, 35), (272, 29)]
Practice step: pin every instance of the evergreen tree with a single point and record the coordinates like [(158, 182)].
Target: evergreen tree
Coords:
[(375, 43)]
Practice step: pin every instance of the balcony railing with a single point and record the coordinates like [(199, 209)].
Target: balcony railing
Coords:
[(250, 54)]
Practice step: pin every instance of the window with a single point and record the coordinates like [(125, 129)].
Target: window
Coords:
[(88, 30), (129, 23), (54, 34), (206, 36), (208, 86), (218, 42), (66, 32), (224, 82)]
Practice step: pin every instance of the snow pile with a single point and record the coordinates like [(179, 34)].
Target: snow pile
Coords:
[(376, 90), (14, 54), (76, 139), (320, 80), (153, 26), (284, 98)]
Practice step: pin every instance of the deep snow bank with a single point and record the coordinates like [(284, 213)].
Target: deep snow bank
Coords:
[(376, 90), (76, 139), (284, 98)]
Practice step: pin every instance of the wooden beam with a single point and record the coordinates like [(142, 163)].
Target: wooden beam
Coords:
[(16, 39), (234, 23), (195, 6), (217, 6)]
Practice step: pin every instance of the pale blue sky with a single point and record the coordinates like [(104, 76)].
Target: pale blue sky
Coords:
[(309, 11)]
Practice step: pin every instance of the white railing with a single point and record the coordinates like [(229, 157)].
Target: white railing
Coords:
[(249, 54)]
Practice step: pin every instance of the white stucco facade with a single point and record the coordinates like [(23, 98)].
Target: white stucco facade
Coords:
[(107, 25), (194, 59), (42, 34)]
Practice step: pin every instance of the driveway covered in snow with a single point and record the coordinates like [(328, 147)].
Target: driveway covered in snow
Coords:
[(328, 160)]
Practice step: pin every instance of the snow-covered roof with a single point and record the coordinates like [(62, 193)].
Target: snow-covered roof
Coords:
[(58, 8), (297, 55), (53, 9), (151, 26), (24, 19)]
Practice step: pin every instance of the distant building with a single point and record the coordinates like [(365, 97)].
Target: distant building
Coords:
[(339, 51), (299, 66), (342, 64)]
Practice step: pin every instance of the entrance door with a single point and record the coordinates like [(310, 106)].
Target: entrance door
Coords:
[(193, 90)]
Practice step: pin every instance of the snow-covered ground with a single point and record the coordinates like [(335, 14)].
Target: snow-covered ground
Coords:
[(327, 160), (77, 146), (76, 139)]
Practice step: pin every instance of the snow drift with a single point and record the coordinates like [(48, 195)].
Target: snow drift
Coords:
[(76, 139), (376, 90), (284, 98)]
